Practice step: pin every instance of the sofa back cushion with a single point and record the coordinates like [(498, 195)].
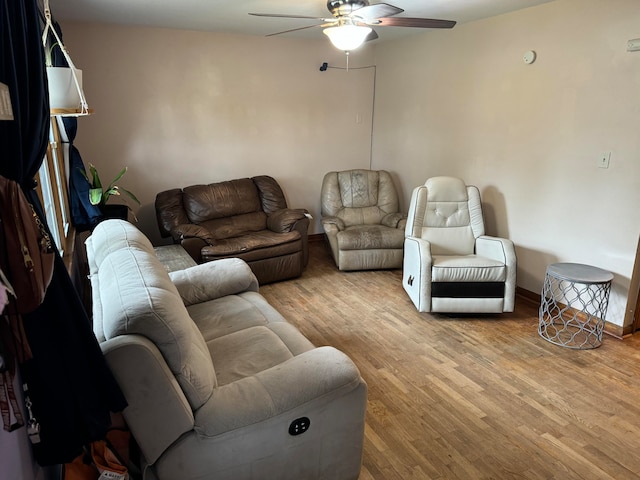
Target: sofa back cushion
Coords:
[(219, 200), (226, 209), (108, 237), (138, 297)]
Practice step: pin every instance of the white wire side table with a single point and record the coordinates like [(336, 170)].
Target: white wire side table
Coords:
[(574, 302)]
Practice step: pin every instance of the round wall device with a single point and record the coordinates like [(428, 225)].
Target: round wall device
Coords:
[(529, 57)]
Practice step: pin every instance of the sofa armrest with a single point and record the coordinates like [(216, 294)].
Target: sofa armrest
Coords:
[(212, 280), (285, 220), (191, 230), (158, 412), (194, 247), (319, 374), (394, 220), (334, 224)]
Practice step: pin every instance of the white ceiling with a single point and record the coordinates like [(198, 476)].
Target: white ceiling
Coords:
[(231, 16)]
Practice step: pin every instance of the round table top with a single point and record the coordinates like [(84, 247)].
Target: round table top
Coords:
[(579, 273)]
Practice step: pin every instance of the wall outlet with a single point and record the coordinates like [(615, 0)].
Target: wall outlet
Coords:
[(603, 160)]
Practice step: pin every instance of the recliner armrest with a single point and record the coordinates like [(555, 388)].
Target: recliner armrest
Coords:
[(332, 223), (500, 249), (394, 220), (212, 280), (320, 373), (284, 220)]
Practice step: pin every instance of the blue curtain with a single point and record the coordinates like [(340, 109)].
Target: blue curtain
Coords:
[(70, 385)]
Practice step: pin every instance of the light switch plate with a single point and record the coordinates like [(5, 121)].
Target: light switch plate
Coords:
[(603, 160)]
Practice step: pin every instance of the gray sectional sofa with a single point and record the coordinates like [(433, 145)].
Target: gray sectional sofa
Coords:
[(219, 385)]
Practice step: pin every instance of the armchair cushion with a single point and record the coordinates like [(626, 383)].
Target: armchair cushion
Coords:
[(363, 237), (467, 268)]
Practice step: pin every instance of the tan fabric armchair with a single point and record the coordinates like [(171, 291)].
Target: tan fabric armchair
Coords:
[(361, 219), (450, 265)]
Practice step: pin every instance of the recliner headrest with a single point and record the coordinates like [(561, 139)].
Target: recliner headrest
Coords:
[(446, 189)]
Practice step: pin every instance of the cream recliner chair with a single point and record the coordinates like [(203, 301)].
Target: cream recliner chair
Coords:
[(450, 265), (361, 219)]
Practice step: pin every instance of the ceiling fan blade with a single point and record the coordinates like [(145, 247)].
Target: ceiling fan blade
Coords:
[(378, 10), (279, 15), (416, 22), (299, 28), (372, 36)]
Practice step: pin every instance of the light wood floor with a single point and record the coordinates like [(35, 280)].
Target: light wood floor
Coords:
[(480, 397)]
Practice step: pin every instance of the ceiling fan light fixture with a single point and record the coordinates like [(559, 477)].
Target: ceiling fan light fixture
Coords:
[(347, 37)]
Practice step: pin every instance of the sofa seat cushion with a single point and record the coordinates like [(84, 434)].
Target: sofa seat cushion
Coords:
[(246, 353), (233, 313), (255, 246), (467, 268), (235, 226), (365, 237)]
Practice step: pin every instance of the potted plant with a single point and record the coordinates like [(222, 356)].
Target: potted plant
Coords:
[(98, 195)]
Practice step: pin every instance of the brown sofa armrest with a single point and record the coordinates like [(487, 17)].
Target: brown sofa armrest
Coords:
[(194, 247), (285, 220), (191, 230), (193, 238), (170, 211)]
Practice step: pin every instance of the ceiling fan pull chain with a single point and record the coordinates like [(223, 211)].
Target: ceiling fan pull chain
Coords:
[(347, 53)]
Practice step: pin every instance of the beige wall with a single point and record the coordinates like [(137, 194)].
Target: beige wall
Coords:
[(463, 102), (184, 107)]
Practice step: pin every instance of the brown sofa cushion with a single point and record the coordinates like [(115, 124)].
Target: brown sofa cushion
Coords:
[(219, 200), (236, 226), (285, 243)]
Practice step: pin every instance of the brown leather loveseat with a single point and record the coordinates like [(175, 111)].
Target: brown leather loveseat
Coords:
[(245, 218)]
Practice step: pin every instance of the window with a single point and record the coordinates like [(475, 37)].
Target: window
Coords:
[(53, 190)]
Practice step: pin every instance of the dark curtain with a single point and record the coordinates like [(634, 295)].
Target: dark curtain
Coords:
[(70, 385), (83, 215)]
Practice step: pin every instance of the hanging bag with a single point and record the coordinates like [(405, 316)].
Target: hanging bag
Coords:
[(29, 251)]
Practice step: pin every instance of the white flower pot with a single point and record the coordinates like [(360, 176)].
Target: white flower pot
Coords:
[(63, 93)]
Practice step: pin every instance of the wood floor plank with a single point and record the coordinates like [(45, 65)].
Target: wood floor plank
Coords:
[(469, 396)]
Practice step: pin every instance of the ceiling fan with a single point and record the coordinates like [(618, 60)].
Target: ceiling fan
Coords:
[(352, 20)]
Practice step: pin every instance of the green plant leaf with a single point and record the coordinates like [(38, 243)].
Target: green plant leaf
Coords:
[(95, 196), (96, 178), (133, 197), (118, 177)]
